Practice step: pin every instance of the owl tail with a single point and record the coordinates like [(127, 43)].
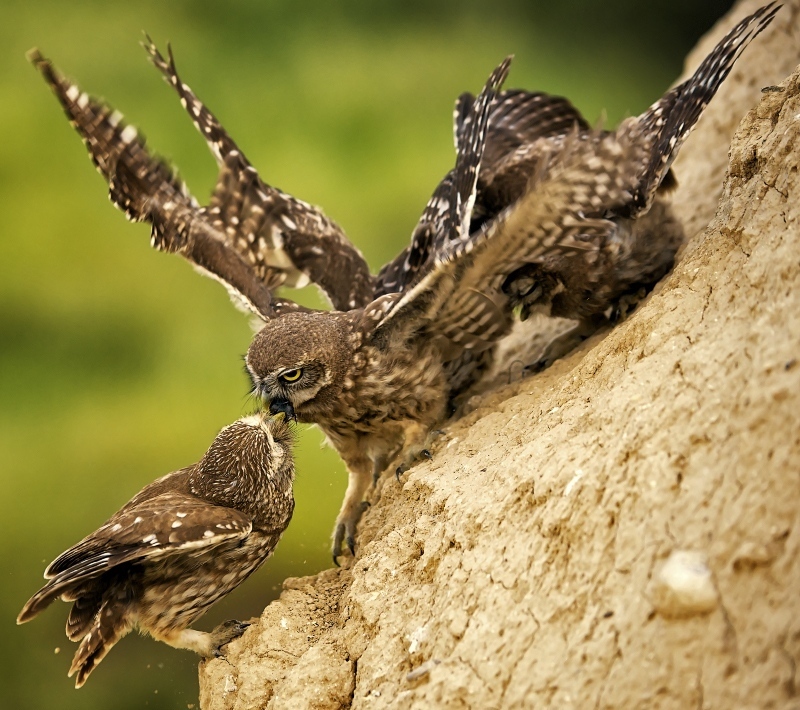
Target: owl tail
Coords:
[(82, 615), (111, 623)]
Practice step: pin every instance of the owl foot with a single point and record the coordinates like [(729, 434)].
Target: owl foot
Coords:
[(226, 632), (410, 461), (345, 532)]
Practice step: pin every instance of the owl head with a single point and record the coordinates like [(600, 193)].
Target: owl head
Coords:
[(298, 362)]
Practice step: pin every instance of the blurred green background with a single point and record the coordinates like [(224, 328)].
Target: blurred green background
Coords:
[(119, 364)]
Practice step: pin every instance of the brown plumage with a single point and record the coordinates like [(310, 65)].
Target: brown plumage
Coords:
[(536, 214), (569, 221), (175, 548)]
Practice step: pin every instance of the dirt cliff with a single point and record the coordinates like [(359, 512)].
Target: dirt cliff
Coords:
[(619, 531)]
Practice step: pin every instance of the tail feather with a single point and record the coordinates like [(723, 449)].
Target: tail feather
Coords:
[(83, 613), (110, 625)]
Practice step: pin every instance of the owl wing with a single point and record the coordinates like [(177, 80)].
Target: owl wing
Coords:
[(517, 119), (447, 214), (462, 301), (147, 190), (166, 524), (675, 114), (270, 229)]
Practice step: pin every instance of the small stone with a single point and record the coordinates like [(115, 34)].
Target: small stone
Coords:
[(684, 586)]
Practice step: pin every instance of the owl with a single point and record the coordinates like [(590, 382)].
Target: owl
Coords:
[(252, 237), (175, 548), (598, 286)]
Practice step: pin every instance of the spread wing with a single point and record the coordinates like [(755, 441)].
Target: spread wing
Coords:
[(675, 114), (518, 118), (448, 213), (147, 190), (167, 524), (270, 229), (462, 302)]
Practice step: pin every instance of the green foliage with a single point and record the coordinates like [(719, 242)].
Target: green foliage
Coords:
[(118, 364)]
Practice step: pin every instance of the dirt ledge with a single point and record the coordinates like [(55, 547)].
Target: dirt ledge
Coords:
[(620, 531)]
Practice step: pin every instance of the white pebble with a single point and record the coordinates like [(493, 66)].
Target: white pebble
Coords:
[(683, 586)]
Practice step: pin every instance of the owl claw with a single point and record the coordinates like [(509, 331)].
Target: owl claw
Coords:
[(409, 462), (226, 632), (345, 533)]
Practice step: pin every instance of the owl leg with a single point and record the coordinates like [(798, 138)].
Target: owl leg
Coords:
[(206, 644), (360, 472), (417, 440)]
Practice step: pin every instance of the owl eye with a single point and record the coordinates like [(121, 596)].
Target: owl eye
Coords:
[(292, 375)]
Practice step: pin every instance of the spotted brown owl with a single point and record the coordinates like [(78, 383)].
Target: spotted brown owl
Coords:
[(606, 279), (252, 237), (175, 548)]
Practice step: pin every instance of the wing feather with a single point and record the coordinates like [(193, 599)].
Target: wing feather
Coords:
[(518, 119), (672, 118), (586, 176), (447, 214), (147, 190), (161, 525), (166, 524), (269, 228)]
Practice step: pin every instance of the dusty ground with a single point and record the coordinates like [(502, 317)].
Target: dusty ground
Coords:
[(620, 531)]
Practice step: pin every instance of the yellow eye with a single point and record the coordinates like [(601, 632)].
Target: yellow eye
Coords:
[(292, 375)]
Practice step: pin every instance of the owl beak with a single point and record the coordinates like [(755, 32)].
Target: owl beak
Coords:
[(283, 406)]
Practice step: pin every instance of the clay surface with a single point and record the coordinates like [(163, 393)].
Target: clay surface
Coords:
[(619, 531)]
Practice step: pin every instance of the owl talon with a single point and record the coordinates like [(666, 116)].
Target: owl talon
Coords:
[(345, 534), (338, 539), (226, 632)]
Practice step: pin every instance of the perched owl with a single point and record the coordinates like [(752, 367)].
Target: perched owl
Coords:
[(178, 546), (252, 237)]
